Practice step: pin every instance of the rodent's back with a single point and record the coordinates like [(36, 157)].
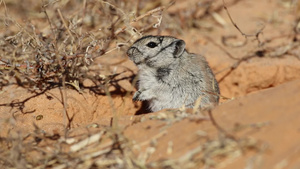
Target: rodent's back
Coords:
[(169, 76), (198, 79)]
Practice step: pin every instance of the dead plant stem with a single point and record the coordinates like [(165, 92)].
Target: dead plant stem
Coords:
[(65, 24), (256, 35)]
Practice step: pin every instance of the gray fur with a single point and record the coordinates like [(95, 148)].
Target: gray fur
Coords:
[(169, 76)]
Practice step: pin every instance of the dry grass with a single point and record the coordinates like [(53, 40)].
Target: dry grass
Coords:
[(61, 40), (109, 148)]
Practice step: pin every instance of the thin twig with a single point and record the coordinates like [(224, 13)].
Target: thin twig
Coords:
[(256, 35), (235, 65), (220, 47), (65, 24), (63, 92), (158, 9), (218, 126), (49, 21)]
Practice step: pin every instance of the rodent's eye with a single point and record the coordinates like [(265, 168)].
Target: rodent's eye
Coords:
[(151, 44)]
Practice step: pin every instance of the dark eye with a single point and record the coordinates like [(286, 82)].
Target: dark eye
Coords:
[(151, 44)]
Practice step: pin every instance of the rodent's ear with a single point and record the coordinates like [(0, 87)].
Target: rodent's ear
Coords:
[(179, 48)]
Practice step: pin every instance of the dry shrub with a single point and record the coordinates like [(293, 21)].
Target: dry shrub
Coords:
[(57, 41)]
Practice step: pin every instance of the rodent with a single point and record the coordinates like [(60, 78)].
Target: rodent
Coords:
[(169, 76)]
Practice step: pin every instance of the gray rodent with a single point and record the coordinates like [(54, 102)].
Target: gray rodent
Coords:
[(169, 76)]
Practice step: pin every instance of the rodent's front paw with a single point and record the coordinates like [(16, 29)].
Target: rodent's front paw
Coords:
[(136, 96), (141, 95)]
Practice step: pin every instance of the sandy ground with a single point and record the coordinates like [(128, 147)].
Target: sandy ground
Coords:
[(261, 115)]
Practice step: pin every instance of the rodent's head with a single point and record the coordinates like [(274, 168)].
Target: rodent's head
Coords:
[(156, 51)]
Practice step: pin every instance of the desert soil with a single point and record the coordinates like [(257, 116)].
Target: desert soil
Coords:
[(256, 124)]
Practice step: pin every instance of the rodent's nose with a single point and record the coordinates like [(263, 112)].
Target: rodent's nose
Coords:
[(130, 51)]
